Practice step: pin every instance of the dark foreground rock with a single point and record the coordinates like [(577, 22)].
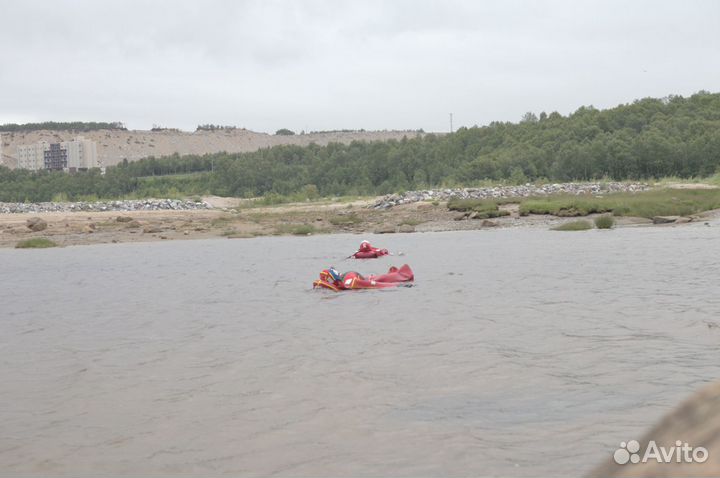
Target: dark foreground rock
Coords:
[(695, 422)]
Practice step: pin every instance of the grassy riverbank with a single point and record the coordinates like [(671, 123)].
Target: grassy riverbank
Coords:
[(657, 202), (235, 218), (660, 202)]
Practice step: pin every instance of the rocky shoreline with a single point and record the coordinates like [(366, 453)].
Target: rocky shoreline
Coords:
[(526, 190), (103, 206), (384, 202)]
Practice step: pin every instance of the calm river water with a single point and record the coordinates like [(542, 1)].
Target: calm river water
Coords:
[(518, 352)]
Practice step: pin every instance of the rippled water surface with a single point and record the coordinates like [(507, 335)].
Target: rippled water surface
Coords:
[(518, 352)]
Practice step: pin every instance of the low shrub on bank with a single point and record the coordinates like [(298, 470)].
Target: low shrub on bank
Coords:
[(581, 225), (604, 222), (35, 243)]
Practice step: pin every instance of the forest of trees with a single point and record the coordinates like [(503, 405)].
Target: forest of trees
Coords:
[(649, 138), (61, 126)]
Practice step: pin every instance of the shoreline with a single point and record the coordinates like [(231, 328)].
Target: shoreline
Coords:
[(225, 221)]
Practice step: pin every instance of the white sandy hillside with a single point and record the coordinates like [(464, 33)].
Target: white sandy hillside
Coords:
[(113, 145)]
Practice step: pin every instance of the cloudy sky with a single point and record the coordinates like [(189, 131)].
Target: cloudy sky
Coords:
[(318, 65)]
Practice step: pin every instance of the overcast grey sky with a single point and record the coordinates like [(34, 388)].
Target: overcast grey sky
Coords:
[(319, 65)]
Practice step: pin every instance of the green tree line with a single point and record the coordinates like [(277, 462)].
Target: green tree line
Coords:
[(61, 126), (672, 136)]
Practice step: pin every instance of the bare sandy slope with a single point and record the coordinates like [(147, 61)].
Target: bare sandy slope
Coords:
[(114, 146)]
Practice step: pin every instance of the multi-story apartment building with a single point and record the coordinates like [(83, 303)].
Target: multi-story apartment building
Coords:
[(56, 158), (81, 154), (76, 155), (32, 156)]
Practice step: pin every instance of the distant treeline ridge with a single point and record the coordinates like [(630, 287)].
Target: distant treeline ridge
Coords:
[(61, 126), (649, 138)]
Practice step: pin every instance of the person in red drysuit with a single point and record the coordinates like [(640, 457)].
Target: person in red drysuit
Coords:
[(339, 281), (366, 251)]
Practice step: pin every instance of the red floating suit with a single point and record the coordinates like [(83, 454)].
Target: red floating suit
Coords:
[(366, 251), (330, 279)]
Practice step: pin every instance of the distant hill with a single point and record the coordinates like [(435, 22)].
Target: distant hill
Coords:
[(115, 145)]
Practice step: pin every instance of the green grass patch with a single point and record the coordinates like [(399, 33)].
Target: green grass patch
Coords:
[(273, 199), (345, 220), (604, 222), (667, 180), (222, 221), (581, 225), (659, 202), (411, 222), (565, 206), (228, 233), (257, 218), (465, 205), (237, 235), (60, 197), (35, 243), (295, 229), (484, 208)]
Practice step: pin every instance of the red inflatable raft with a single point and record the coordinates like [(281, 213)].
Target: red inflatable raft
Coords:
[(330, 279), (366, 251)]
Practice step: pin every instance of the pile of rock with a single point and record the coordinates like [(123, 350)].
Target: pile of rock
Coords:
[(526, 190), (36, 224), (130, 205), (673, 219)]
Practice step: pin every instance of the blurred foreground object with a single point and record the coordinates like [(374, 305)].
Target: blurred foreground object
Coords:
[(696, 422)]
